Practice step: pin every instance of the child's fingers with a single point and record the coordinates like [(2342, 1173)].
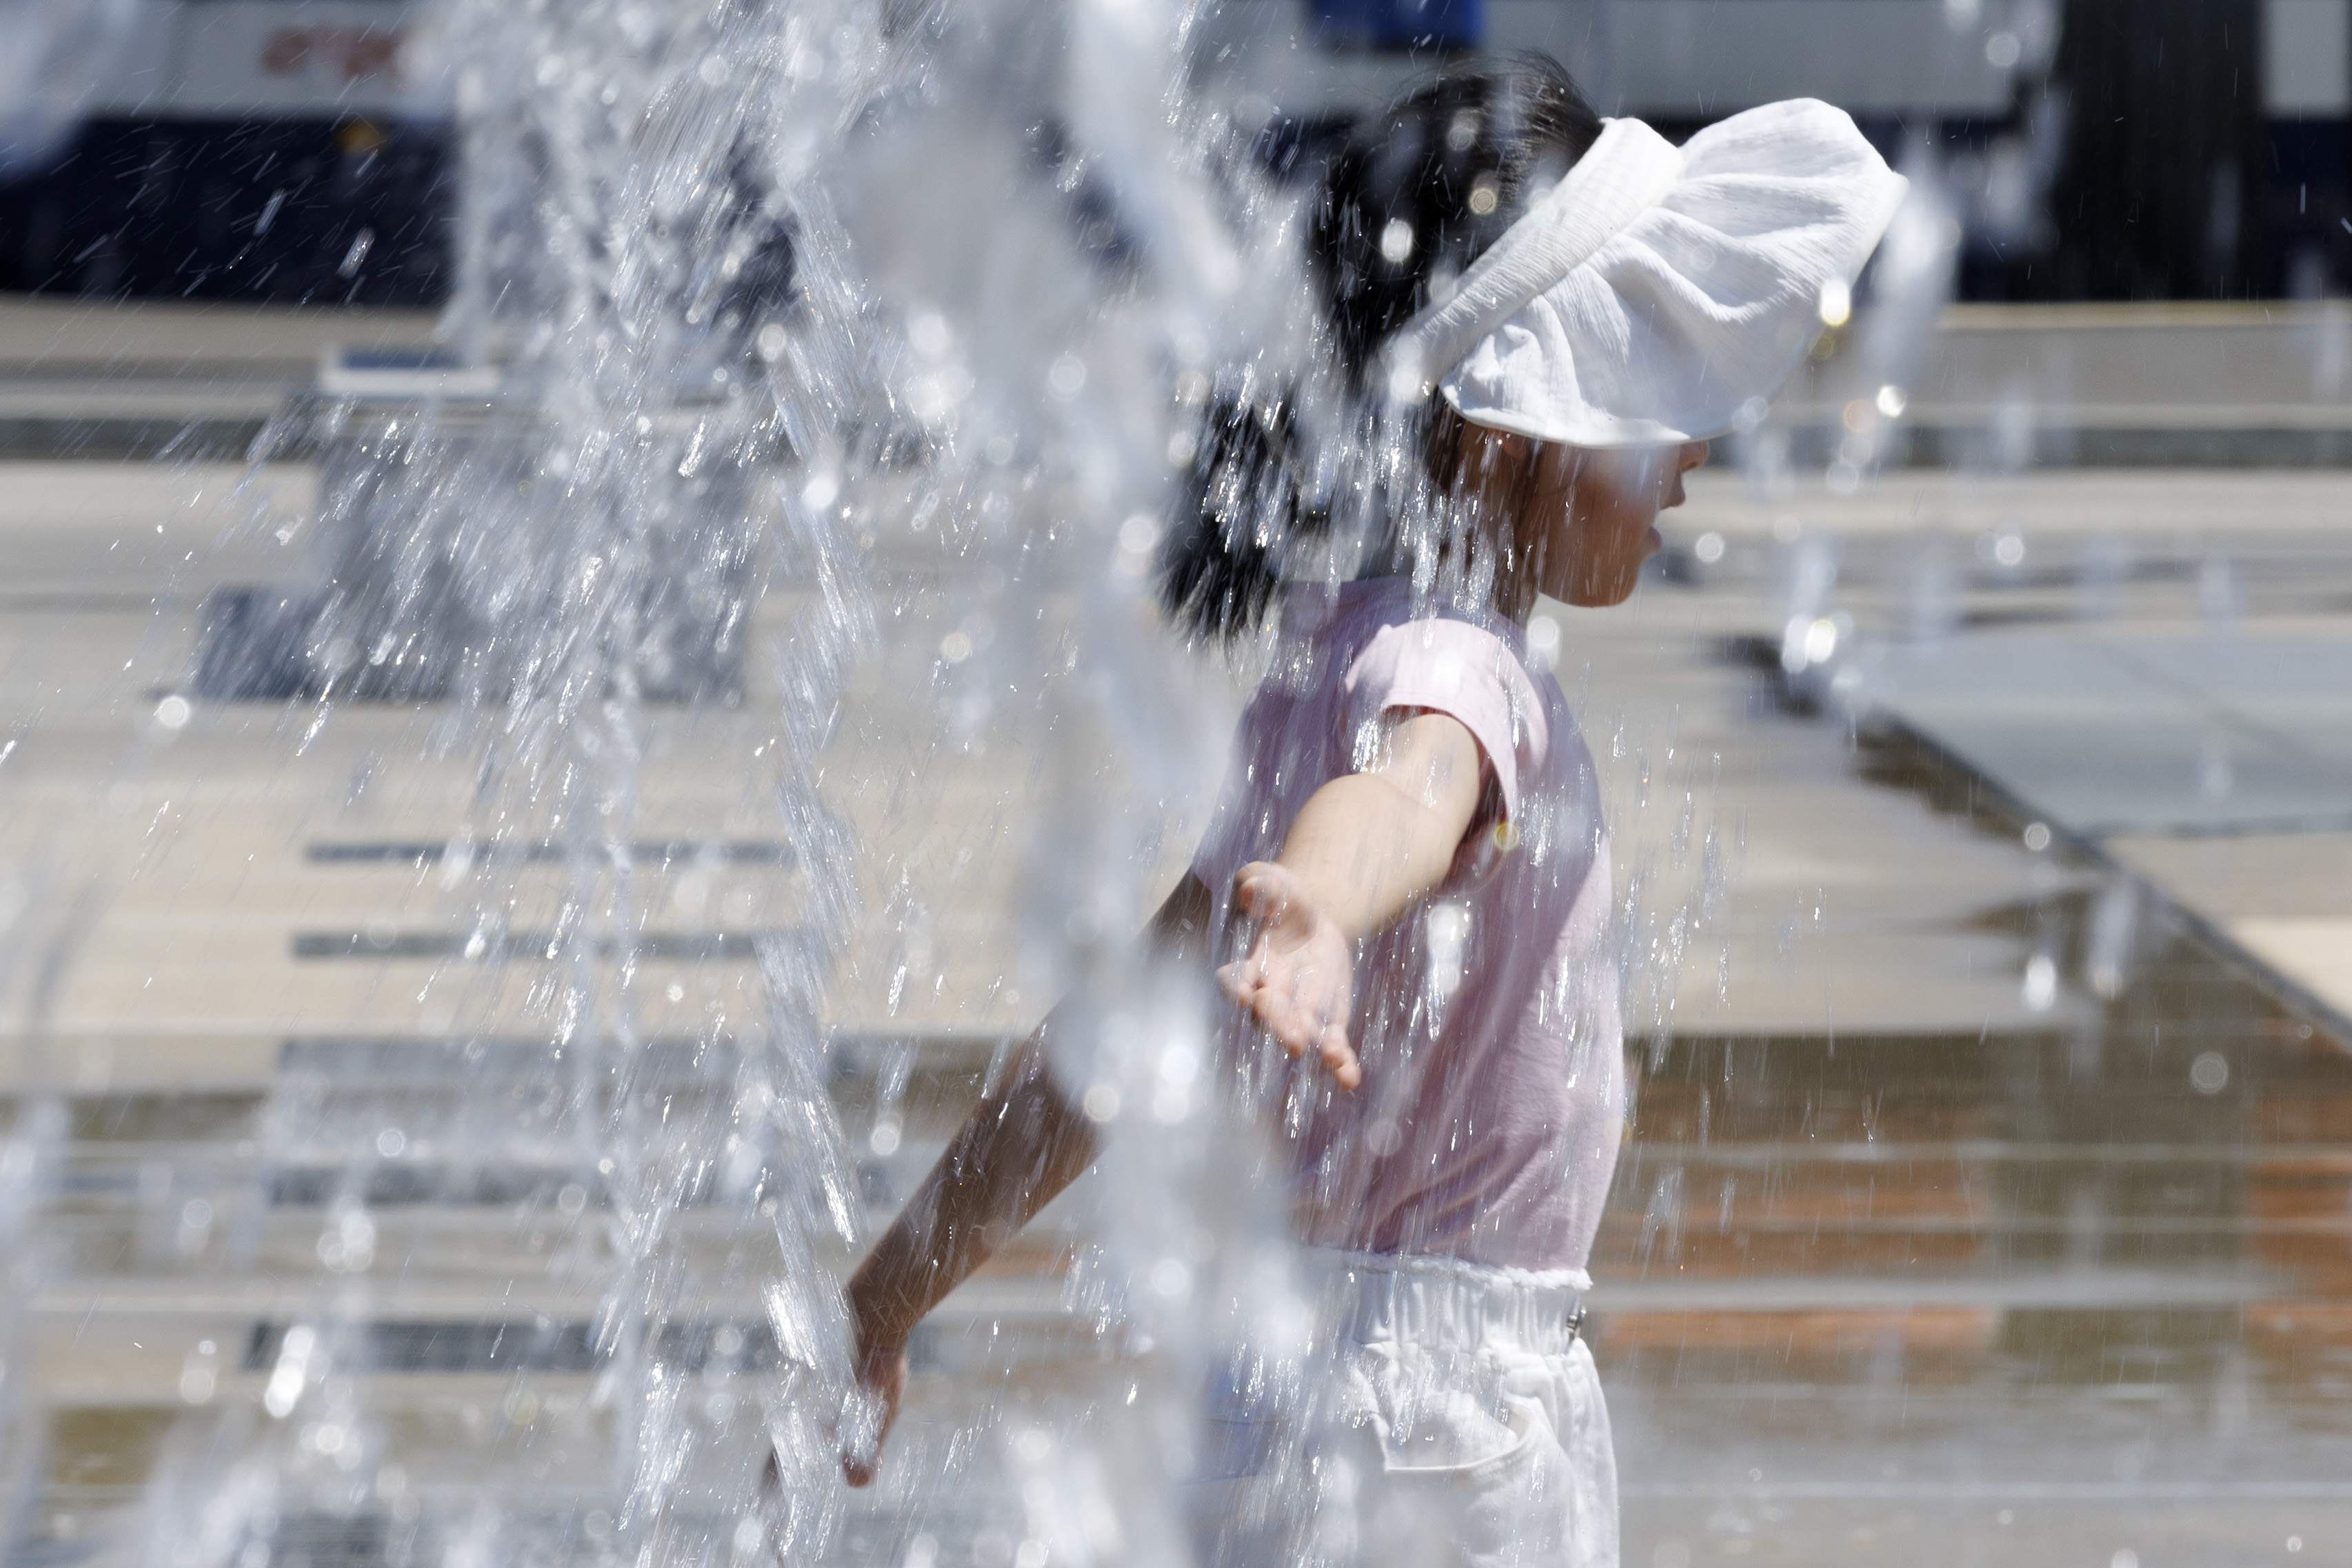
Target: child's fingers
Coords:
[(1262, 1003), (1297, 1015), (869, 1413), (1251, 972), (1288, 999), (1280, 1019), (1338, 1059)]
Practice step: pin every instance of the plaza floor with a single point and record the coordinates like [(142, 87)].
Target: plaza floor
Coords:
[(1989, 1194)]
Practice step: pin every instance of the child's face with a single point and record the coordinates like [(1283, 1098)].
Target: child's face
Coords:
[(1581, 519), (1589, 518)]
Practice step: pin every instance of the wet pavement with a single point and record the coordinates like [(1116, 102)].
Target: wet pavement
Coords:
[(1989, 1194), (2064, 1290)]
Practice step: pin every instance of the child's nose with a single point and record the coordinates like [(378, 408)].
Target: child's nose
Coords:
[(1693, 454)]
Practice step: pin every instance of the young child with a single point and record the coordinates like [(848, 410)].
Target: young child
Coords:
[(1409, 849)]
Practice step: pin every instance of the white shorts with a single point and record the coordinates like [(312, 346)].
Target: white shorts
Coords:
[(1455, 1417)]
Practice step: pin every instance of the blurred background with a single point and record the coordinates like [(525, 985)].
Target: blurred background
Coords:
[(1981, 753), (2094, 151)]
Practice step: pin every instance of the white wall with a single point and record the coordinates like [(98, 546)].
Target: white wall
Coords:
[(230, 57), (1694, 57), (2308, 59), (1664, 58), (1681, 59)]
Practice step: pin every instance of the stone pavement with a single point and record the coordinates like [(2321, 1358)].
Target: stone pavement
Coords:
[(1984, 1202), (2140, 386), (79, 378), (1988, 387), (2108, 1252), (2156, 665)]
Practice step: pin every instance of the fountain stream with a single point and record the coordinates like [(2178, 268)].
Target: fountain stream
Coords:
[(864, 308)]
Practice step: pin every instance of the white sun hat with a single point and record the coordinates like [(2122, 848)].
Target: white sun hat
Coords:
[(1656, 289)]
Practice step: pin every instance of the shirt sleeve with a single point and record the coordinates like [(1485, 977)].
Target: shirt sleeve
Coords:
[(1463, 671)]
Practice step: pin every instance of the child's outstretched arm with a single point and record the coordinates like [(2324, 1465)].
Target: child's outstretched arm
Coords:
[(1364, 848), (1013, 1155)]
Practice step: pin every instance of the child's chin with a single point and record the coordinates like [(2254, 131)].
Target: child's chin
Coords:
[(1601, 595)]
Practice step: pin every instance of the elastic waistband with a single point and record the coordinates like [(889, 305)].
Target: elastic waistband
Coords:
[(1372, 1298)]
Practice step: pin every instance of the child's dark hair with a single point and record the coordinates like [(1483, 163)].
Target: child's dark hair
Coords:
[(1411, 197)]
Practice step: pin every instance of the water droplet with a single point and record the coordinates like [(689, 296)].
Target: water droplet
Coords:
[(1836, 302), (2209, 1073)]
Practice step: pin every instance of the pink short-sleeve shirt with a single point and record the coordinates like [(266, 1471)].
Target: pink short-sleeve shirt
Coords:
[(1488, 1122)]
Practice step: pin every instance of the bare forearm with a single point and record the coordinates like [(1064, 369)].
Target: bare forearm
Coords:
[(1011, 1158), (1368, 851)]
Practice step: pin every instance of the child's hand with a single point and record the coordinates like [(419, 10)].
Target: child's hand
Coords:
[(873, 1406), (1298, 977)]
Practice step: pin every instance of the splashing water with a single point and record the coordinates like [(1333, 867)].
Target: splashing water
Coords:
[(819, 301), (649, 297), (868, 339)]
